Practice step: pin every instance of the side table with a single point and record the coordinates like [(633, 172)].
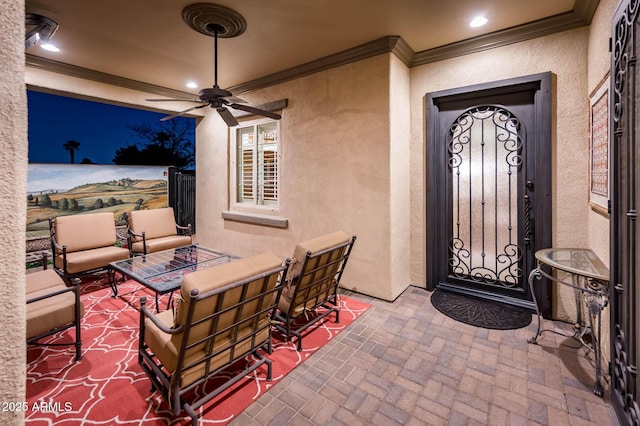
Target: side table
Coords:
[(590, 281)]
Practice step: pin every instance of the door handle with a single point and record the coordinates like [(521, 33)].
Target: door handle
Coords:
[(528, 225)]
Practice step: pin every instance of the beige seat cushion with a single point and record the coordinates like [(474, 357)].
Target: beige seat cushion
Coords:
[(42, 280), (52, 312), (85, 231), (87, 260), (166, 346), (162, 243), (155, 223)]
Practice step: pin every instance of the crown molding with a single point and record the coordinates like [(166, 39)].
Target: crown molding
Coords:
[(101, 77), (373, 48), (581, 15)]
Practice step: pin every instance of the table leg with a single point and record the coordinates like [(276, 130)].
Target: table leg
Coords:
[(535, 275), (169, 301), (596, 304), (111, 276)]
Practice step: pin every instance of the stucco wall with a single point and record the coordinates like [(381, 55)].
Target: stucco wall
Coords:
[(564, 54), (335, 172), (13, 186), (399, 160)]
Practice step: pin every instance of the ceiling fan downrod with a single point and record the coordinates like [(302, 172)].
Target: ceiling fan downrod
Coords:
[(215, 28)]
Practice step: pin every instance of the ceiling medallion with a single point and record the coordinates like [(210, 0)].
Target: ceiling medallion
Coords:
[(209, 19)]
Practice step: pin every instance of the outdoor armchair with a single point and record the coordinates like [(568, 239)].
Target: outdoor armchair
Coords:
[(155, 230), (85, 243), (52, 307), (223, 316), (314, 277)]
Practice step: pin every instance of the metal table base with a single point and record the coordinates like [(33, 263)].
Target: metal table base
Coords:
[(590, 282)]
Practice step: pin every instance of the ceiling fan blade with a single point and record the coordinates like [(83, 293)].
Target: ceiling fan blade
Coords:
[(174, 100), (256, 111), (177, 114), (234, 99), (227, 116)]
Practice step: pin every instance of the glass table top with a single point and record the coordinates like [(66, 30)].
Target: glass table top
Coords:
[(574, 260), (163, 271)]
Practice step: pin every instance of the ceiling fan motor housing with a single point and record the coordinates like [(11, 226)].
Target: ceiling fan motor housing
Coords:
[(210, 93)]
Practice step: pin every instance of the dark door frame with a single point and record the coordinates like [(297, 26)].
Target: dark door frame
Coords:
[(624, 166), (540, 84)]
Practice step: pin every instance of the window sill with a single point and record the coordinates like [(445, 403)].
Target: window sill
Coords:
[(257, 219)]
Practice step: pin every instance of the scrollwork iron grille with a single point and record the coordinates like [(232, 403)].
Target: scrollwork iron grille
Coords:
[(484, 156), (625, 345)]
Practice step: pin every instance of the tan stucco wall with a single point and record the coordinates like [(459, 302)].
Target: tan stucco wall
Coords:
[(13, 187), (399, 190), (343, 165), (563, 54)]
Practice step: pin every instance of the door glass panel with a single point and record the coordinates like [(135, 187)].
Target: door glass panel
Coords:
[(484, 161)]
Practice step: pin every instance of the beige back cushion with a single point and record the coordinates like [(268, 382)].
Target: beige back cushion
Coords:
[(217, 277), (315, 245), (85, 231), (155, 223)]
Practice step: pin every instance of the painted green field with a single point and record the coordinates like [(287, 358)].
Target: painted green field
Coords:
[(117, 197)]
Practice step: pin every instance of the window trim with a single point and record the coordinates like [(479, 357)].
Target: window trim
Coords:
[(234, 205)]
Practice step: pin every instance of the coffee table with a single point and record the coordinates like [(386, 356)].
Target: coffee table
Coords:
[(163, 271)]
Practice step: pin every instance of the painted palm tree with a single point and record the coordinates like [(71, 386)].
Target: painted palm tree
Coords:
[(71, 146)]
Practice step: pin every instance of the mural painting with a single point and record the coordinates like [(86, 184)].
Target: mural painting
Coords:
[(66, 189)]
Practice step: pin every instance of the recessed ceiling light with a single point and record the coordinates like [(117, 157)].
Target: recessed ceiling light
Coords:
[(49, 47), (192, 85), (478, 21)]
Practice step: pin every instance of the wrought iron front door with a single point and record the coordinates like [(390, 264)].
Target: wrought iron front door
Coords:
[(624, 292), (489, 183)]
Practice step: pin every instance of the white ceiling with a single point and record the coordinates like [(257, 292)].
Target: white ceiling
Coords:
[(148, 41)]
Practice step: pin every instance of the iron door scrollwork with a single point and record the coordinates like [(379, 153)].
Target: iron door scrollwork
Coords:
[(485, 160)]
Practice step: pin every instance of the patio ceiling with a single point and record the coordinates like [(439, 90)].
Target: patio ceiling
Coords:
[(147, 40)]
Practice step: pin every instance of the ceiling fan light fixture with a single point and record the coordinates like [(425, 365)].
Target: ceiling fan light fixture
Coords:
[(216, 21)]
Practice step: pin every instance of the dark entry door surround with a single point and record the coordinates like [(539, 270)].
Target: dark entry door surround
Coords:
[(488, 188)]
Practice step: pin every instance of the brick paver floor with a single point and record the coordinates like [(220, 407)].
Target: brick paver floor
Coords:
[(406, 363)]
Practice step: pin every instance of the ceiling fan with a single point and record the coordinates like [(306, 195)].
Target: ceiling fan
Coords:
[(215, 97)]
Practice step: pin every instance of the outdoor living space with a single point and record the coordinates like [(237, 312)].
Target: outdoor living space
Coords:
[(484, 172)]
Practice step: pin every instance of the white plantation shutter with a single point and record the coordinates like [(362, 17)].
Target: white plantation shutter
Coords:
[(257, 164)]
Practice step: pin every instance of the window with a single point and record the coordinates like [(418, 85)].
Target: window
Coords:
[(257, 164)]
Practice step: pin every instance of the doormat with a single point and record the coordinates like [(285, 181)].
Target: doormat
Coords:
[(480, 312)]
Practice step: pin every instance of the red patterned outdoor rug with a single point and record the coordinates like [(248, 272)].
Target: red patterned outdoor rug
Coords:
[(108, 386)]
